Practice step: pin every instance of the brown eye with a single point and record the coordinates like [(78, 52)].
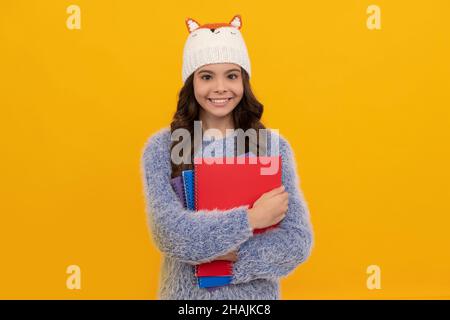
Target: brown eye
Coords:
[(234, 75), (203, 77)]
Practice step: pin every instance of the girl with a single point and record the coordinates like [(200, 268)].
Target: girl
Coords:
[(217, 92)]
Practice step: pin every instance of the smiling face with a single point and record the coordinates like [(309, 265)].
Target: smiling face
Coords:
[(218, 88)]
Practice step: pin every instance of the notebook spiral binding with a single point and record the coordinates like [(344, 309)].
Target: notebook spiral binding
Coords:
[(195, 208), (195, 187), (188, 187)]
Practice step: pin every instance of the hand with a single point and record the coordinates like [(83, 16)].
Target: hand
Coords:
[(269, 209), (230, 256)]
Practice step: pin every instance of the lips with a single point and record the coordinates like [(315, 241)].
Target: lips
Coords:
[(218, 99), (219, 102)]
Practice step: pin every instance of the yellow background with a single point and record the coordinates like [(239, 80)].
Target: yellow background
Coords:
[(366, 111)]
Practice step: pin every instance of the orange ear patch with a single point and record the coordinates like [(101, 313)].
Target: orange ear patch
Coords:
[(193, 25), (214, 25), (236, 21)]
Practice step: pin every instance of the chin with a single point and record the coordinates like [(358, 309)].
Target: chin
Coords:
[(217, 112), (221, 113)]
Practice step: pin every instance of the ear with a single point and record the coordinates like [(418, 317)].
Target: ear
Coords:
[(191, 24), (236, 22)]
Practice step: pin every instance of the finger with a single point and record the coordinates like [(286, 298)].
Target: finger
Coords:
[(275, 191), (280, 218), (231, 256), (283, 196)]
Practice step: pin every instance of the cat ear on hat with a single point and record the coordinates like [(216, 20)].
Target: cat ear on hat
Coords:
[(236, 22), (191, 24)]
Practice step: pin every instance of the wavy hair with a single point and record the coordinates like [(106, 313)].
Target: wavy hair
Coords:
[(246, 115)]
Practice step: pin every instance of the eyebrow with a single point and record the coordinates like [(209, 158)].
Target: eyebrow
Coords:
[(209, 71)]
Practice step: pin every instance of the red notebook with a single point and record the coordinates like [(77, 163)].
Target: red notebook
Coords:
[(228, 185)]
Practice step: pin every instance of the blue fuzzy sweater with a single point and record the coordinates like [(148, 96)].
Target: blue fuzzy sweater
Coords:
[(187, 238)]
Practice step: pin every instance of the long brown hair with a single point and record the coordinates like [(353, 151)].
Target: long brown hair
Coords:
[(246, 115)]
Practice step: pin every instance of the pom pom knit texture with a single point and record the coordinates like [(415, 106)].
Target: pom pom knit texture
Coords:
[(187, 238)]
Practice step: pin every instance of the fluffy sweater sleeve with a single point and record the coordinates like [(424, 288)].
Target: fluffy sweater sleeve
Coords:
[(189, 236), (277, 252)]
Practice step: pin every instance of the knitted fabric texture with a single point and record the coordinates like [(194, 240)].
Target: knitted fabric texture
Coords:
[(214, 43), (187, 237)]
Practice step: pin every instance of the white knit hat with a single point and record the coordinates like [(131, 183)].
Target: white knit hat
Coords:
[(214, 43)]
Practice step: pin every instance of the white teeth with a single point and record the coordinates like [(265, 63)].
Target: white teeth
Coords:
[(219, 101)]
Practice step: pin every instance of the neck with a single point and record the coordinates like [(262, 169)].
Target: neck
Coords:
[(221, 124)]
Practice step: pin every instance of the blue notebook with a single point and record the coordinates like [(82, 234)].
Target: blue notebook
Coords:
[(210, 282), (189, 192), (189, 188)]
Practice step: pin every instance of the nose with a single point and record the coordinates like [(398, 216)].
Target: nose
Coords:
[(220, 86)]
